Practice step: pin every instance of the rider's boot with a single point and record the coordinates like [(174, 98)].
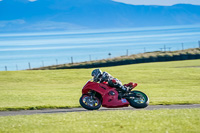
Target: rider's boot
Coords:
[(124, 91)]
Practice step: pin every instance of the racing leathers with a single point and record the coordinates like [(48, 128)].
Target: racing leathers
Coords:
[(113, 82)]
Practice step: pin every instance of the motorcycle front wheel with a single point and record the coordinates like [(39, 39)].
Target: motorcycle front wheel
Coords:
[(90, 102), (138, 99)]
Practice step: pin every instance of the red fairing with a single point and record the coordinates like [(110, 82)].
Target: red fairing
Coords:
[(109, 95), (93, 86), (110, 100)]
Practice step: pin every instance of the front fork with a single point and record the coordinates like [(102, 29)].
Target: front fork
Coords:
[(92, 94)]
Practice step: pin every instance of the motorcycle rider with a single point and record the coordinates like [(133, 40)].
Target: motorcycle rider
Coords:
[(100, 76)]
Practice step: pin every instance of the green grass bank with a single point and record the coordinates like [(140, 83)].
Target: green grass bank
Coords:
[(157, 56), (176, 82)]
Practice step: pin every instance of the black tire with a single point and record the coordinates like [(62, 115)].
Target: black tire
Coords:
[(138, 99), (86, 102)]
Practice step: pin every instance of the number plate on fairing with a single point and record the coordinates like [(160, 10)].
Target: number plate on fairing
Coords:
[(123, 100)]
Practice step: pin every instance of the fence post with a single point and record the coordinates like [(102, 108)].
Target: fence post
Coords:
[(43, 63), (56, 61), (90, 57), (6, 68), (199, 44), (165, 48), (16, 67), (182, 46), (72, 60), (29, 64)]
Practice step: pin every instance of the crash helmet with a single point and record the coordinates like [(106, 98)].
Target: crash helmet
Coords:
[(96, 73)]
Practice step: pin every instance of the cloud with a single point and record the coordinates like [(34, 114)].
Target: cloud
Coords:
[(159, 2)]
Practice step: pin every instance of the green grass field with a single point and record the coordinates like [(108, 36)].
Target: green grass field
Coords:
[(145, 121), (165, 83)]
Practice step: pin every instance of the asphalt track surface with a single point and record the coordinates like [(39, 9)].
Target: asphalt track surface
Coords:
[(53, 111)]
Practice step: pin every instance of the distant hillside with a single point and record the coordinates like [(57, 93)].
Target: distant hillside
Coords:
[(21, 15), (157, 56)]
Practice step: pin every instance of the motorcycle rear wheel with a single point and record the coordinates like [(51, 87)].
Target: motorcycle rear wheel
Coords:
[(138, 100), (90, 103)]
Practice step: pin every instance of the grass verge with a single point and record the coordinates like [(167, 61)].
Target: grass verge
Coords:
[(155, 121)]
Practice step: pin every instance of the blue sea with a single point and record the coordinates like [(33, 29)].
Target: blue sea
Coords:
[(19, 51)]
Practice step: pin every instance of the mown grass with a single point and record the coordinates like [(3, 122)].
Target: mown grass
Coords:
[(164, 83), (153, 121)]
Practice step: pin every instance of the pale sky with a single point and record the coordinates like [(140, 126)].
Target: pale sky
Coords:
[(153, 2), (159, 2)]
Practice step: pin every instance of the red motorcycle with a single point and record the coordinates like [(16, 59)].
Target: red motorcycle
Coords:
[(96, 94)]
